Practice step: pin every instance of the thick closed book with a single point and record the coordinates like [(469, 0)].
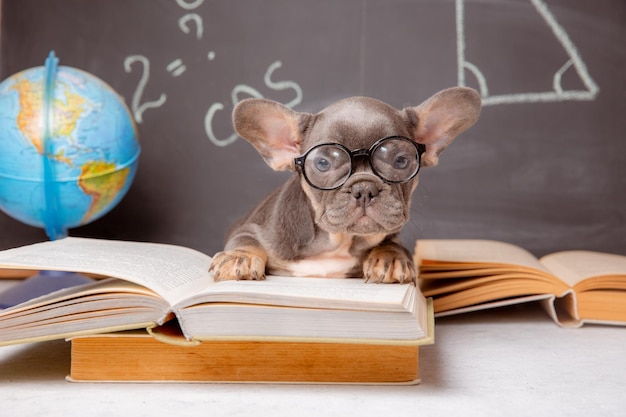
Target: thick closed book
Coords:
[(139, 356)]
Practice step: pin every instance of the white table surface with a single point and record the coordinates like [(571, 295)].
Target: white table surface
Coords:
[(506, 362)]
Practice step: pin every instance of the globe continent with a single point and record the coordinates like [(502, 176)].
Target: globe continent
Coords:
[(93, 149)]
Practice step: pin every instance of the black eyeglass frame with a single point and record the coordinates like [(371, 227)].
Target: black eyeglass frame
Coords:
[(419, 147)]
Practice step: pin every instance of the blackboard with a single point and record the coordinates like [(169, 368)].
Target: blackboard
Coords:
[(545, 167)]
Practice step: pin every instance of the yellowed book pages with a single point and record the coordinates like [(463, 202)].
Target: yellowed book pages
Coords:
[(16, 273), (138, 357), (574, 267), (163, 354), (574, 286), (476, 252)]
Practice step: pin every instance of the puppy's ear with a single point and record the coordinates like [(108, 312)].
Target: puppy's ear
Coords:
[(441, 118), (273, 129)]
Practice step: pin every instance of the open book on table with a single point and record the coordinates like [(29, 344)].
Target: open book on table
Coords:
[(152, 284), (574, 286)]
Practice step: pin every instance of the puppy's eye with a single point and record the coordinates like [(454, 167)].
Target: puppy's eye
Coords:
[(322, 164), (401, 162)]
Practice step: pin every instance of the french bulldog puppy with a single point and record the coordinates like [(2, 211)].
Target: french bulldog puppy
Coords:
[(355, 167)]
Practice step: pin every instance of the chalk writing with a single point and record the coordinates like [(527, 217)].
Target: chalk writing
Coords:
[(282, 85), (189, 5), (194, 17), (251, 92), (176, 67), (137, 107), (558, 93), (182, 24)]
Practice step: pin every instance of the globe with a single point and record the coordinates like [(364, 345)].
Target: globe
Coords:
[(68, 147)]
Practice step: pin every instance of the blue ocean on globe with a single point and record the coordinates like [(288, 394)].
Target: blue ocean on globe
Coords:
[(68, 147)]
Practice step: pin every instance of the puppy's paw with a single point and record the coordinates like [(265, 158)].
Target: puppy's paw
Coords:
[(238, 264), (389, 264)]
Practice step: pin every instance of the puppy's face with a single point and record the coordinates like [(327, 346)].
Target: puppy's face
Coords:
[(365, 203)]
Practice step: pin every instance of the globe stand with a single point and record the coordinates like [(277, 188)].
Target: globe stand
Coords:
[(53, 226)]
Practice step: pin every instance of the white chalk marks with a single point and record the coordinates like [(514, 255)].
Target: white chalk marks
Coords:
[(137, 106), (251, 92), (176, 67), (558, 93)]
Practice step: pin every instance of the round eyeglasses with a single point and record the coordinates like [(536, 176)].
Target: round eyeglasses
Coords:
[(394, 159)]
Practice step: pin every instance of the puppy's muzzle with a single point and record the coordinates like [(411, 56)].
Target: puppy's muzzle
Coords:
[(364, 192), (364, 187)]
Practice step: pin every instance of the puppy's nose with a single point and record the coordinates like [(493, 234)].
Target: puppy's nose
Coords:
[(364, 192)]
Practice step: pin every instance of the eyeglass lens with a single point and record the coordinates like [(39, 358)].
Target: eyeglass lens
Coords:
[(329, 166), (395, 160)]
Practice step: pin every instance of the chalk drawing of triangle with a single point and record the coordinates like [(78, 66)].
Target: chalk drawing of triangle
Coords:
[(557, 93)]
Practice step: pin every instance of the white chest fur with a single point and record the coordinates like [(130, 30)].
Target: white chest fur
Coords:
[(334, 263)]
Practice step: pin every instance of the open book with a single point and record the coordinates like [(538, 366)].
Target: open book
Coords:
[(574, 286), (152, 284)]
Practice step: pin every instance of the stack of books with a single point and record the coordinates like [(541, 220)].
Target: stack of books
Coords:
[(155, 314)]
